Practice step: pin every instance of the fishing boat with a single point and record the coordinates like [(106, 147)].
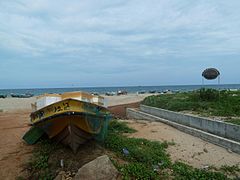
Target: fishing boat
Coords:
[(3, 96), (26, 95), (71, 118)]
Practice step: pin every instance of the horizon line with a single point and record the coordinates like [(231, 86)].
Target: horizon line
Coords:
[(118, 86)]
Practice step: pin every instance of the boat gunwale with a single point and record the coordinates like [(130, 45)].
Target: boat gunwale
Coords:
[(72, 113), (69, 111), (68, 100)]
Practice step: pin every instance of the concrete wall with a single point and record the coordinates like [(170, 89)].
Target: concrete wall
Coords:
[(219, 128), (220, 141)]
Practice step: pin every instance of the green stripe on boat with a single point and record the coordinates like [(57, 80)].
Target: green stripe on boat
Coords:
[(33, 135)]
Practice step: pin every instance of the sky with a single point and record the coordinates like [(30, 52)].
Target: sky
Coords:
[(87, 43)]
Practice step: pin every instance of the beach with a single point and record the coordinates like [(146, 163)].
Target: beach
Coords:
[(14, 118), (14, 122)]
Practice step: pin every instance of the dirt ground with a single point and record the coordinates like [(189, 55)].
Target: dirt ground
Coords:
[(14, 117), (187, 148), (13, 151)]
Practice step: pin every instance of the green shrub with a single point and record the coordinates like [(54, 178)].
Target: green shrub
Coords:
[(184, 171), (208, 94), (116, 127), (137, 171), (144, 156), (203, 101)]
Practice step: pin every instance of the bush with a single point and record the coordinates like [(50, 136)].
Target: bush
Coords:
[(208, 94), (203, 101)]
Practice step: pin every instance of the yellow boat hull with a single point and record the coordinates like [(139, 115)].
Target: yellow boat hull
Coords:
[(70, 121)]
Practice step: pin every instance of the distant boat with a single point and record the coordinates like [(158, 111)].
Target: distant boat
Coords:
[(110, 93), (121, 93), (71, 118), (141, 92), (3, 96), (152, 92), (26, 95)]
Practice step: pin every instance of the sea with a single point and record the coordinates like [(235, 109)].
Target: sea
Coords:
[(129, 89)]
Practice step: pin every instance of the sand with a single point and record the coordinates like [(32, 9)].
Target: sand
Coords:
[(125, 99), (187, 148), (14, 116), (12, 104), (13, 151)]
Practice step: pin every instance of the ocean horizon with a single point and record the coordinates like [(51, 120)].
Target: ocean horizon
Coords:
[(129, 89)]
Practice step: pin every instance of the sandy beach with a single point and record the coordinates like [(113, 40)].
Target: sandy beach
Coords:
[(14, 116), (13, 104)]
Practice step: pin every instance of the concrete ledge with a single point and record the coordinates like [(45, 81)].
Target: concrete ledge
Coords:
[(219, 128), (220, 141)]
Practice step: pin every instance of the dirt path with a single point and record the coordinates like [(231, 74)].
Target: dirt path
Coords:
[(187, 148), (13, 151)]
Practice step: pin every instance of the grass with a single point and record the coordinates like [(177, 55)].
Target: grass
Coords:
[(234, 121), (116, 127), (231, 170), (206, 102), (149, 160), (142, 154), (135, 158), (46, 157), (184, 171), (39, 163)]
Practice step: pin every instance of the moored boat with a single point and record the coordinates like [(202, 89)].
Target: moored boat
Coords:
[(3, 96), (27, 95), (70, 118)]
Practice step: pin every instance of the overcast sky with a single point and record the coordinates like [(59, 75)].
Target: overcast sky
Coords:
[(61, 43)]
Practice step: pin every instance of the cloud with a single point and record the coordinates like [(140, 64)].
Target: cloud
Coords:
[(110, 37)]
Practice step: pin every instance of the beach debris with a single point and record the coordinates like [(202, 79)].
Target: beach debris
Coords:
[(125, 151), (156, 168), (229, 150), (153, 131), (63, 175), (99, 168), (61, 163), (205, 150), (205, 167), (161, 163), (60, 176)]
